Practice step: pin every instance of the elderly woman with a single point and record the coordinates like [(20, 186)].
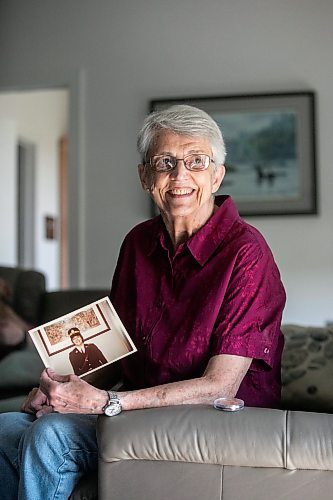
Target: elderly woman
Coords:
[(198, 291)]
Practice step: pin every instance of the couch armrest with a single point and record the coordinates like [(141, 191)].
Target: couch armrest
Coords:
[(196, 434), (254, 437)]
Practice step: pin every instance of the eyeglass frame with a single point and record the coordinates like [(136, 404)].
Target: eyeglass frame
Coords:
[(176, 160)]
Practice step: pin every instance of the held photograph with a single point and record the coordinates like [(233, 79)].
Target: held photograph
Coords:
[(84, 340)]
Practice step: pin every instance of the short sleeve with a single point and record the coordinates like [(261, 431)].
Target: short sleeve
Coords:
[(249, 320)]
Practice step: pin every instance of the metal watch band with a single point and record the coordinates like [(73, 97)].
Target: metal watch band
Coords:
[(113, 397), (113, 406)]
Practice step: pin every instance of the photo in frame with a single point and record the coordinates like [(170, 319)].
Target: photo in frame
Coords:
[(271, 149), (84, 340)]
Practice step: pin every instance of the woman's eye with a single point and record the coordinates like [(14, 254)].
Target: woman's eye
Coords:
[(165, 162)]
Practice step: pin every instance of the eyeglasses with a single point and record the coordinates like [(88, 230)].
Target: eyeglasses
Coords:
[(166, 163)]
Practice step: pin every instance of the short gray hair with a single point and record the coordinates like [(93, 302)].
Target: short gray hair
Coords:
[(183, 120)]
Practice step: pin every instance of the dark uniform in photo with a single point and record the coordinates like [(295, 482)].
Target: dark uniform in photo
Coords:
[(84, 357)]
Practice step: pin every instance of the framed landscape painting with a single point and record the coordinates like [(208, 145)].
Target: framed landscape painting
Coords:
[(270, 142)]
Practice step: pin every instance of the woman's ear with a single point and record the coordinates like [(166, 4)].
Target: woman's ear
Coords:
[(144, 177), (219, 174)]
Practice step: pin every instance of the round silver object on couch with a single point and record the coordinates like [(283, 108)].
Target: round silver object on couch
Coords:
[(229, 404)]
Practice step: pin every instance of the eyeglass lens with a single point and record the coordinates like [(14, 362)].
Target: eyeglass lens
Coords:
[(163, 163)]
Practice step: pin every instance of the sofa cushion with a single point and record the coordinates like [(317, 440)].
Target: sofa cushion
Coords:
[(21, 370), (27, 287), (307, 368)]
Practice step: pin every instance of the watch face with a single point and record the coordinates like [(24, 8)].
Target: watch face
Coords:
[(112, 409)]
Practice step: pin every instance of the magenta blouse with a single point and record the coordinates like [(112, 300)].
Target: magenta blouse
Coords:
[(219, 293)]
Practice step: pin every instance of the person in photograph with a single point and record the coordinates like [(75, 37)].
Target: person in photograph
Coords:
[(84, 357), (198, 291)]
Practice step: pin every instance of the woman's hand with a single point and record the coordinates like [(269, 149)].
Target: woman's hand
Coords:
[(70, 394), (36, 403)]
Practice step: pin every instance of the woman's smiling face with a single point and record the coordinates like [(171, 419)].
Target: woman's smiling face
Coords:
[(182, 192)]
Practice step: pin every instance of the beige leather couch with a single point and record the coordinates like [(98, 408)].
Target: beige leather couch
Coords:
[(197, 453)]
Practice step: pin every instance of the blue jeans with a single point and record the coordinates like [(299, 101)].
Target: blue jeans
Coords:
[(44, 458)]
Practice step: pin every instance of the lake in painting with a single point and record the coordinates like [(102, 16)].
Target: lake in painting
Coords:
[(262, 154)]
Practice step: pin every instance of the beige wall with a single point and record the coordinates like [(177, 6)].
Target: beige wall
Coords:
[(131, 51)]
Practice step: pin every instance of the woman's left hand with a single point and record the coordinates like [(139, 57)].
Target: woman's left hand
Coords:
[(70, 394), (36, 403)]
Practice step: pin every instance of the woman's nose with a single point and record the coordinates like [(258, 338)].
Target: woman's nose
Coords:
[(180, 171)]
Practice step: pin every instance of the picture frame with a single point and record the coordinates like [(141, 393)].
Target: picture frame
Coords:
[(271, 149), (90, 320)]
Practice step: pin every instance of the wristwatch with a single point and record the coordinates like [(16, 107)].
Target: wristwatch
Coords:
[(113, 406)]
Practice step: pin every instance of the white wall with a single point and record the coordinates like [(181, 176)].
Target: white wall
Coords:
[(8, 182), (135, 50), (40, 117)]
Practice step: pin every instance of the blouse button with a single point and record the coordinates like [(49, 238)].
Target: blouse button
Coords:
[(266, 350)]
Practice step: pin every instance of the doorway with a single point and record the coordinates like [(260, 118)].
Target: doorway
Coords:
[(41, 119)]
